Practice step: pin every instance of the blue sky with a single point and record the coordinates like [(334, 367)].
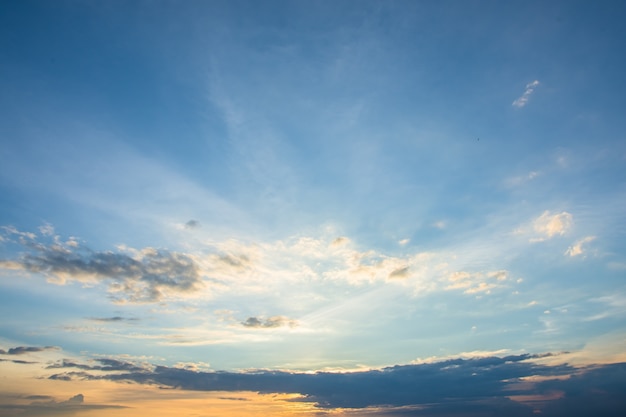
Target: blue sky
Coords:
[(307, 186)]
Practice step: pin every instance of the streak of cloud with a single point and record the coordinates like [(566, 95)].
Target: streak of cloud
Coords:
[(269, 323), (523, 99), (22, 350)]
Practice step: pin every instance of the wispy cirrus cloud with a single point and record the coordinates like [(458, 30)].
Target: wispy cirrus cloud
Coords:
[(522, 100)]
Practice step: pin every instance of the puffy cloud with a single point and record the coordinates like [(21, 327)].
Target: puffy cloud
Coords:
[(523, 99), (577, 248), (145, 275), (549, 225)]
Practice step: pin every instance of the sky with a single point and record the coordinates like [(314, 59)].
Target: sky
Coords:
[(347, 208)]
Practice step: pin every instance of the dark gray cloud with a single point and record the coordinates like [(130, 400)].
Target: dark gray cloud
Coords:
[(21, 350), (192, 224), (456, 387), (272, 322), (102, 364), (141, 276), (111, 319), (400, 272), (45, 405), (21, 362), (235, 261), (39, 397)]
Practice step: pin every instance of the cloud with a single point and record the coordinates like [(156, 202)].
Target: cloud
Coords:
[(549, 225), (270, 323), (401, 272), (47, 229), (577, 248), (21, 350), (523, 99), (340, 241), (105, 364), (477, 282), (487, 385), (18, 361), (145, 275), (192, 224), (111, 319), (45, 405)]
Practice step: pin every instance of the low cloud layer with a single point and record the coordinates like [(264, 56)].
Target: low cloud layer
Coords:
[(21, 350), (511, 385), (44, 405)]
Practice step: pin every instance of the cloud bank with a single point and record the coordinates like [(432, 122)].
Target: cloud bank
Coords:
[(512, 385), (21, 350)]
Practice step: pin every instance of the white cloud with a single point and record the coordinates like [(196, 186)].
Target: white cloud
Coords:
[(549, 225), (477, 282), (577, 248), (523, 99)]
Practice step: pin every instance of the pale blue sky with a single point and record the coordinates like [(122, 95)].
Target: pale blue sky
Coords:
[(313, 185)]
